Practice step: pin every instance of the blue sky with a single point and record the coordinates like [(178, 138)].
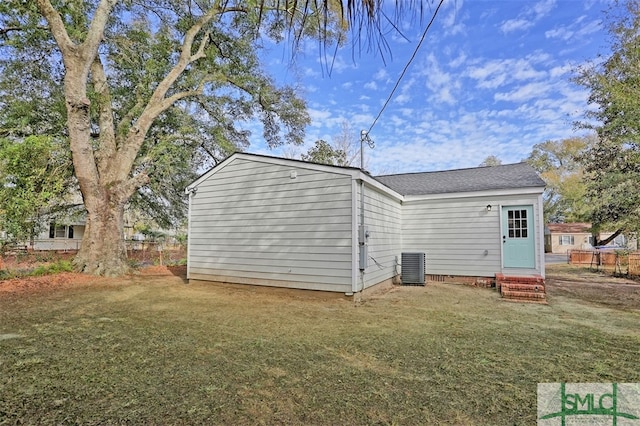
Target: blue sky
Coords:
[(491, 78)]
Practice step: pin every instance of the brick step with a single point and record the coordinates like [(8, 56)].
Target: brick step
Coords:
[(521, 289), (522, 295), (534, 288), (526, 300), (537, 279)]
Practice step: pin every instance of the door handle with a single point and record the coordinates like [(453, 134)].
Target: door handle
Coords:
[(504, 238)]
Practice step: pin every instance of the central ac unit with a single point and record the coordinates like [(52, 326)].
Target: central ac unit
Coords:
[(413, 268)]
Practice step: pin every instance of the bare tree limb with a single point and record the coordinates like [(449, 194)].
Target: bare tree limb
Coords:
[(56, 24)]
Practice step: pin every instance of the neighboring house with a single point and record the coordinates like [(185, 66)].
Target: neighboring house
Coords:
[(58, 237), (287, 223), (562, 237)]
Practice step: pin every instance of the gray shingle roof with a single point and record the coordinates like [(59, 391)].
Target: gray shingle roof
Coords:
[(508, 176)]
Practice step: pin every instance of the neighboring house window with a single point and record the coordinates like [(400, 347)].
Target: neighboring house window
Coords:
[(620, 241), (566, 240), (60, 231)]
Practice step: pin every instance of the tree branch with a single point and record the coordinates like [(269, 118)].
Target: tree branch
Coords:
[(158, 103), (130, 186), (107, 145), (56, 25), (7, 30), (608, 239), (96, 28)]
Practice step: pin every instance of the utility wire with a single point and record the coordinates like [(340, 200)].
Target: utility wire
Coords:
[(406, 67)]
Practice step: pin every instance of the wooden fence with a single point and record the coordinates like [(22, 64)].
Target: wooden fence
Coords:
[(620, 261), (634, 263)]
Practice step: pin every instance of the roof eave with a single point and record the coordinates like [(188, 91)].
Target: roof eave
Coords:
[(537, 190)]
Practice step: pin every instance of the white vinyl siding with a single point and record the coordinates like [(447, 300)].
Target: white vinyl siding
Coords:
[(252, 221), (383, 221), (459, 235)]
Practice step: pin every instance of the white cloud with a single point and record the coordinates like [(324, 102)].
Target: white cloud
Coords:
[(515, 25), (371, 85), (381, 74), (557, 71), (453, 20), (458, 61), (318, 116), (529, 17), (524, 93), (589, 28), (439, 82), (543, 8), (563, 33), (402, 99), (574, 31), (310, 72), (498, 72), (490, 74)]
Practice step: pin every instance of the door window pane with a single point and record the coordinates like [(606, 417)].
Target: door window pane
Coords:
[(517, 224)]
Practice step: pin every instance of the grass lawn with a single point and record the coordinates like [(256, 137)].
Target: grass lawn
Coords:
[(155, 350)]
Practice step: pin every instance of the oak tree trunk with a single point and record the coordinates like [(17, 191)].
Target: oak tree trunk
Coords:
[(103, 250)]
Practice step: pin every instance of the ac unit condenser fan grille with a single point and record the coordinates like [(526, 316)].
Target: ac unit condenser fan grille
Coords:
[(413, 268)]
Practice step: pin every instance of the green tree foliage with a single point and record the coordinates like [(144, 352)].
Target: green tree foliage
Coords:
[(322, 152), (557, 162), (34, 176), (612, 165)]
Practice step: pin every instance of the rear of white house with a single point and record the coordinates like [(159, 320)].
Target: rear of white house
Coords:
[(268, 221), (277, 222), (474, 222)]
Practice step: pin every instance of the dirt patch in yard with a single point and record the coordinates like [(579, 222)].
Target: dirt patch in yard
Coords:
[(562, 281), (592, 287), (65, 280)]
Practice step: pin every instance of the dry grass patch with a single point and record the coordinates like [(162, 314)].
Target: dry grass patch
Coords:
[(579, 282), (151, 349)]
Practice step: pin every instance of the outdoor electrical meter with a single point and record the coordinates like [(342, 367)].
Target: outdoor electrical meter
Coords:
[(363, 238)]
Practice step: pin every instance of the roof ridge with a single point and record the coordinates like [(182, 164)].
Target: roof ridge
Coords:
[(455, 170)]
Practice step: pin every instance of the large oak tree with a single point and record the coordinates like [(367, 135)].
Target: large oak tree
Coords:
[(149, 85)]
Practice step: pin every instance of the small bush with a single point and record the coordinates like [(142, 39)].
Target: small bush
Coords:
[(53, 268)]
